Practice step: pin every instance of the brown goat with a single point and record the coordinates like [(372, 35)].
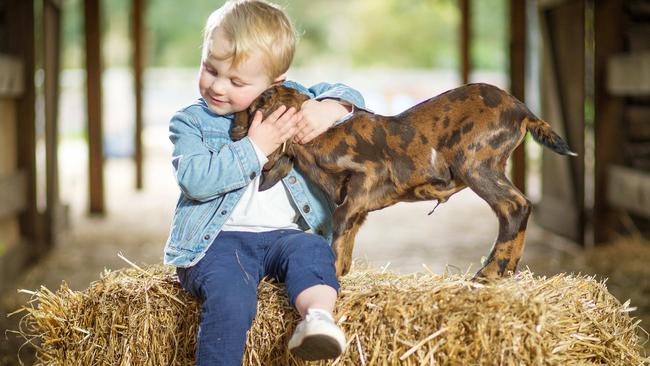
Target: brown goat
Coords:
[(461, 138)]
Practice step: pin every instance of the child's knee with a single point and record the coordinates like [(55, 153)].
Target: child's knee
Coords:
[(230, 302), (318, 247)]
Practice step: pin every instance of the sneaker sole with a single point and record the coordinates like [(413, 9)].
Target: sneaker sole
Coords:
[(317, 347)]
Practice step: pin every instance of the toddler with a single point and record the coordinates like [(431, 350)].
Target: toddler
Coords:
[(225, 234)]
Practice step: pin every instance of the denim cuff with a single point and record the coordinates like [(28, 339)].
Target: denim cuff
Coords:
[(247, 157)]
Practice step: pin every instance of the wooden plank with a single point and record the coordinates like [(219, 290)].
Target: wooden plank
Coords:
[(637, 149), (518, 82), (638, 8), (138, 66), (608, 134), (94, 105), (559, 216), (8, 145), (629, 189), (465, 40), (12, 263), (12, 195), (637, 37), (11, 76), (638, 121), (563, 107), (9, 235), (629, 74)]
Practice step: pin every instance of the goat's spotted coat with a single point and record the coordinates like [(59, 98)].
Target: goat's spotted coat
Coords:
[(461, 138)]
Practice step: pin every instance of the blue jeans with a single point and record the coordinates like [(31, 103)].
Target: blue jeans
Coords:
[(226, 281)]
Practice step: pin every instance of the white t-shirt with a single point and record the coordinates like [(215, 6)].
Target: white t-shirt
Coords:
[(258, 211)]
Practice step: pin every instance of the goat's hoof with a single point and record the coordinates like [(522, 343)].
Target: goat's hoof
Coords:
[(484, 276)]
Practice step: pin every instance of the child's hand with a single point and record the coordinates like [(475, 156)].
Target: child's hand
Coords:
[(317, 117), (277, 128)]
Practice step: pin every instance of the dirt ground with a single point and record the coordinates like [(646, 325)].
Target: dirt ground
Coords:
[(403, 238)]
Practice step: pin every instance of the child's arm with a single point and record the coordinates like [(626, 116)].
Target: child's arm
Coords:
[(204, 173), (330, 104)]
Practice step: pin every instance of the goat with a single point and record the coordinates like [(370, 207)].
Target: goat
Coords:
[(461, 138)]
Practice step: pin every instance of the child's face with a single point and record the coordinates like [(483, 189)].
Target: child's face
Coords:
[(228, 90)]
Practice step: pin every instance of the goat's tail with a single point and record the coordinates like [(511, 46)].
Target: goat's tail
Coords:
[(542, 133)]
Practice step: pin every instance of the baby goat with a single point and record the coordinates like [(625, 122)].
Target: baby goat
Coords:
[(461, 138)]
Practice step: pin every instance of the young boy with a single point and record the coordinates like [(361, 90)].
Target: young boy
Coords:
[(226, 235)]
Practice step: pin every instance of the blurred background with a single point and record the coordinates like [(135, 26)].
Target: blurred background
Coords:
[(87, 88)]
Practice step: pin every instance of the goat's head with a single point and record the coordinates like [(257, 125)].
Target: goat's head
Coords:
[(271, 99)]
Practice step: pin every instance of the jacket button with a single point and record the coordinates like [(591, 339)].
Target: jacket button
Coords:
[(292, 179), (306, 208), (207, 237), (320, 232), (252, 176), (223, 212)]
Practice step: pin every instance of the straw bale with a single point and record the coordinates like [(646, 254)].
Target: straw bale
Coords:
[(142, 317)]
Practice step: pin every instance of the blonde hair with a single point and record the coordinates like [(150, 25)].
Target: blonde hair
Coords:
[(254, 25)]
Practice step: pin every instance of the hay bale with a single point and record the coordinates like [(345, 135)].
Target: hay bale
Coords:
[(130, 317)]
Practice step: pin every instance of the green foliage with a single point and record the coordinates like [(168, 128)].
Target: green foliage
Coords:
[(175, 31), (490, 27), (392, 33), (415, 33)]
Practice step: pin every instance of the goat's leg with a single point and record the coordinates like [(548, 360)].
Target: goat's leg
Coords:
[(347, 220), (346, 244), (512, 209)]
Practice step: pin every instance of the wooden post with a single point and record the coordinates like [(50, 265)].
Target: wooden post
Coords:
[(137, 34), (51, 65), (608, 37), (465, 40), (94, 106), (21, 44), (518, 81)]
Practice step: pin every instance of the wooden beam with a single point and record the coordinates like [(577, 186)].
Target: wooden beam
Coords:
[(608, 37), (621, 81), (518, 81), (94, 105), (137, 35), (22, 45), (51, 66), (11, 76), (465, 40), (13, 194)]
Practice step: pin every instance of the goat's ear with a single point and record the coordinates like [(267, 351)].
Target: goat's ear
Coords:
[(239, 127), (279, 170)]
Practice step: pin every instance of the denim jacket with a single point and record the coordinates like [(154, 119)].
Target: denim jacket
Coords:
[(212, 172)]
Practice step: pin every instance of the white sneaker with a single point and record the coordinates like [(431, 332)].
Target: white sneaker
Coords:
[(317, 337)]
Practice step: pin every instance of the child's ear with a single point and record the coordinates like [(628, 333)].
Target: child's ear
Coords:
[(279, 80)]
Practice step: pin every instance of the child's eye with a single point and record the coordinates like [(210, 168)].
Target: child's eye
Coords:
[(209, 69), (237, 83)]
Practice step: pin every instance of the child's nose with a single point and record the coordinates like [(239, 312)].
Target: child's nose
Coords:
[(219, 86)]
